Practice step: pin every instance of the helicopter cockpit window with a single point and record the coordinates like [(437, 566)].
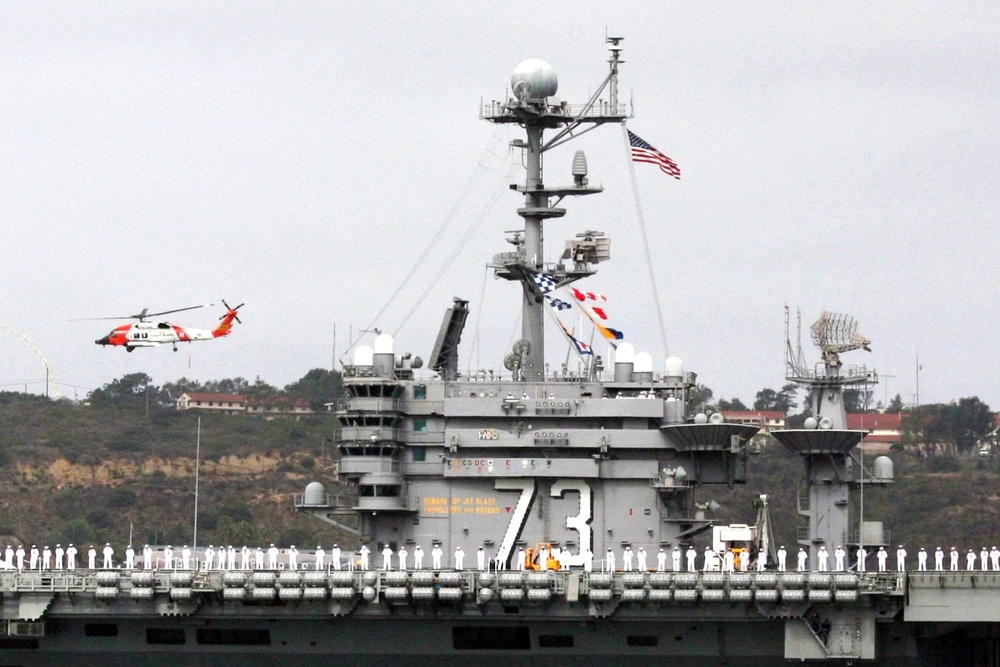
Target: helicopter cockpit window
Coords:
[(163, 325)]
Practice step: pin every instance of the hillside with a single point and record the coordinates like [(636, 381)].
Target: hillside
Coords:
[(72, 473), (75, 473)]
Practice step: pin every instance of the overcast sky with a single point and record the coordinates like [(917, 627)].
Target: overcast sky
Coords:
[(299, 157)]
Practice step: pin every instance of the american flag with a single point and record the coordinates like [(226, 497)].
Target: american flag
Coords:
[(643, 152)]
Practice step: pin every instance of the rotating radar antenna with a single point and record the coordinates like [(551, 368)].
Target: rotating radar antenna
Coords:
[(834, 333), (50, 379)]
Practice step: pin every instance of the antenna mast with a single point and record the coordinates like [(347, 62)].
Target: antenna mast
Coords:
[(536, 108)]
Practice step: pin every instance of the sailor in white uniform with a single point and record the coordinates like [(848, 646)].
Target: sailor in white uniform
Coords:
[(60, 552), (883, 558), (661, 560), (245, 558), (861, 555), (258, 558), (129, 558), (640, 557), (71, 557), (401, 555), (839, 555), (761, 560), (627, 559), (436, 553), (168, 557), (418, 558), (293, 555), (519, 559), (954, 559), (802, 558), (272, 557), (970, 560), (186, 557), (210, 557), (901, 559), (939, 559), (147, 557), (33, 556), (364, 551), (108, 556), (335, 557), (691, 556), (821, 559), (921, 560), (459, 558), (92, 557), (481, 559), (320, 556), (609, 559), (782, 557), (46, 558), (19, 555)]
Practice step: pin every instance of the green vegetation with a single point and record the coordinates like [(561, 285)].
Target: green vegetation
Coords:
[(86, 473)]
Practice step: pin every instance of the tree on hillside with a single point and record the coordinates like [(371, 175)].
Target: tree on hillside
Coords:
[(959, 426), (134, 389), (857, 400), (260, 390), (896, 404), (319, 386), (701, 398), (783, 401), (735, 404)]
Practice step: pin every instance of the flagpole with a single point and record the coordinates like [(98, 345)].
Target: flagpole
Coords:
[(645, 241)]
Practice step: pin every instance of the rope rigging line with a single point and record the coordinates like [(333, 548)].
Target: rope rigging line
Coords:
[(470, 230), (474, 352), (645, 241), (490, 152)]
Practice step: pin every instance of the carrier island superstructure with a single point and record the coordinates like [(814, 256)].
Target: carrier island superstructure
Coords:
[(604, 459)]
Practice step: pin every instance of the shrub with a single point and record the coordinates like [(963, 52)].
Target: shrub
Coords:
[(121, 498)]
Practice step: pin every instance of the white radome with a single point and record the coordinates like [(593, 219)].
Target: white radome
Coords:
[(534, 79)]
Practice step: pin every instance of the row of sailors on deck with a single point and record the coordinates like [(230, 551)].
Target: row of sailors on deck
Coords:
[(229, 558)]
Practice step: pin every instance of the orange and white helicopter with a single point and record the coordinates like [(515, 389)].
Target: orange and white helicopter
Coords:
[(143, 333)]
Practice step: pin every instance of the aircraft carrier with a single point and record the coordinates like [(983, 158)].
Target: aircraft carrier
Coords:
[(530, 463)]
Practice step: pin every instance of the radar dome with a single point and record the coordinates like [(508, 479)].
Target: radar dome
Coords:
[(882, 468), (314, 495), (363, 356), (716, 418), (383, 344), (674, 367), (625, 354), (826, 423), (534, 79), (811, 423), (701, 418), (643, 362)]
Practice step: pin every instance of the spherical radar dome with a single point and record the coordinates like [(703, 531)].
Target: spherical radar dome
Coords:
[(534, 79)]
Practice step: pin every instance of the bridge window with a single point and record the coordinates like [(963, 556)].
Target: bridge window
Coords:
[(100, 630), (643, 640), (170, 636), (420, 391), (490, 638)]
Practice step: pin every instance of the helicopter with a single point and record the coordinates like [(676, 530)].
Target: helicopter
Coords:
[(144, 333)]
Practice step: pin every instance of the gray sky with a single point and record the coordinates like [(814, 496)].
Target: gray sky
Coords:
[(300, 156)]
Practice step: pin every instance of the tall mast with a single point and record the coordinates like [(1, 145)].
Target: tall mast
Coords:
[(535, 108)]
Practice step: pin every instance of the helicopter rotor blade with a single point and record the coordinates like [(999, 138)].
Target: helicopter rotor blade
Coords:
[(229, 309), (140, 316)]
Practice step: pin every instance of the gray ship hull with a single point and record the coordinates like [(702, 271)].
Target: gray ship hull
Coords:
[(406, 643)]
